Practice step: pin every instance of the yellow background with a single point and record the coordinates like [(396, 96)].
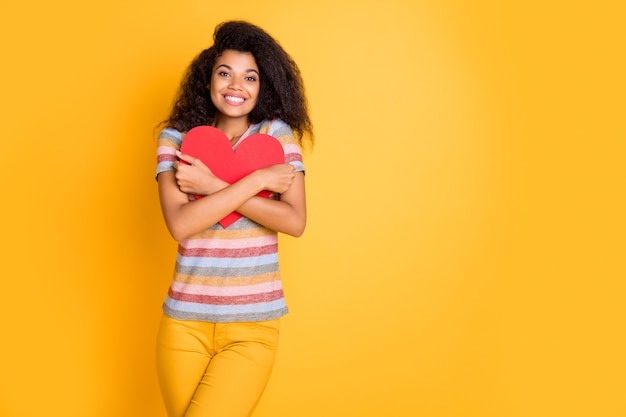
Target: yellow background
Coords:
[(464, 254)]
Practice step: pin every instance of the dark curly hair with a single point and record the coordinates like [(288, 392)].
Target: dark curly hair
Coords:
[(281, 93)]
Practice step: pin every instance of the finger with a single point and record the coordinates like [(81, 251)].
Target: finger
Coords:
[(187, 158)]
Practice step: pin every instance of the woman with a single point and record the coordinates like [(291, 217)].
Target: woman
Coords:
[(219, 332)]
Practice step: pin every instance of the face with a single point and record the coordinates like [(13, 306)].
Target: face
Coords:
[(235, 85)]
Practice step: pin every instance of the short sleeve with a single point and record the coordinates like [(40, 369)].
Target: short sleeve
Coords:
[(293, 153), (168, 143)]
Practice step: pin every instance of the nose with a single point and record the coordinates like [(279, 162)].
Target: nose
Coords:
[(235, 84)]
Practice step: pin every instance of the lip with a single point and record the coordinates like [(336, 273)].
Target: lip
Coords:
[(234, 100)]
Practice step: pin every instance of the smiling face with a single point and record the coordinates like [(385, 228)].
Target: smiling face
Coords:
[(234, 86)]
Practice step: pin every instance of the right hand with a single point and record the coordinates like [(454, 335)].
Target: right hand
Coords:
[(277, 178)]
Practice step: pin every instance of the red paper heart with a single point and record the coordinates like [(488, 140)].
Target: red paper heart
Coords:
[(213, 148)]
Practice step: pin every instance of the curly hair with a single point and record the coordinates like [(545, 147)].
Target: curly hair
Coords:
[(281, 93)]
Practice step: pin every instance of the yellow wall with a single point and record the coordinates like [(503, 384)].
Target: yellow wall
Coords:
[(464, 253)]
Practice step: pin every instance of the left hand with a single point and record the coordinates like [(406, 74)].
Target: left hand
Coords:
[(195, 178)]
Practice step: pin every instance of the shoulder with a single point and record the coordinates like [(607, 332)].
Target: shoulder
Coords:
[(171, 135), (284, 134), (279, 129)]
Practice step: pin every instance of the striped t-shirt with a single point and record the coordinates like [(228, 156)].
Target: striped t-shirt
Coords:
[(228, 274)]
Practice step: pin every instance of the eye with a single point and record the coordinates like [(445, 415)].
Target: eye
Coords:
[(251, 78), (223, 74)]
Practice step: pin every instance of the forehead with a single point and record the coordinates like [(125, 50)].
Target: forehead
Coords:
[(236, 60)]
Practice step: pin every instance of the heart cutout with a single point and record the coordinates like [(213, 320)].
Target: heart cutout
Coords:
[(213, 148)]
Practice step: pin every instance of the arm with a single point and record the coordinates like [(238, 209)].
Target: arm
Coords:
[(286, 215), (185, 218)]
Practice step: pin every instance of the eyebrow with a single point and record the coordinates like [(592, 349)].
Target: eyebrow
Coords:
[(230, 68)]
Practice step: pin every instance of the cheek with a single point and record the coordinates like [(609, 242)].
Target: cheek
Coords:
[(255, 94), (213, 96)]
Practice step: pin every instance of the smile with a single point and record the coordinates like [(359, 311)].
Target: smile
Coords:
[(234, 100)]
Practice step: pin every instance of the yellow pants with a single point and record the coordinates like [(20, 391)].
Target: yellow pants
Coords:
[(214, 369)]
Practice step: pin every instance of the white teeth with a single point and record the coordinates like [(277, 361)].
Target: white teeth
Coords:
[(234, 99)]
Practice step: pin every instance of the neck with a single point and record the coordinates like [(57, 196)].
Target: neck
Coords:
[(233, 128)]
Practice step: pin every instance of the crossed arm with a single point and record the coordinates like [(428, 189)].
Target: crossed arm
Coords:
[(185, 218)]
